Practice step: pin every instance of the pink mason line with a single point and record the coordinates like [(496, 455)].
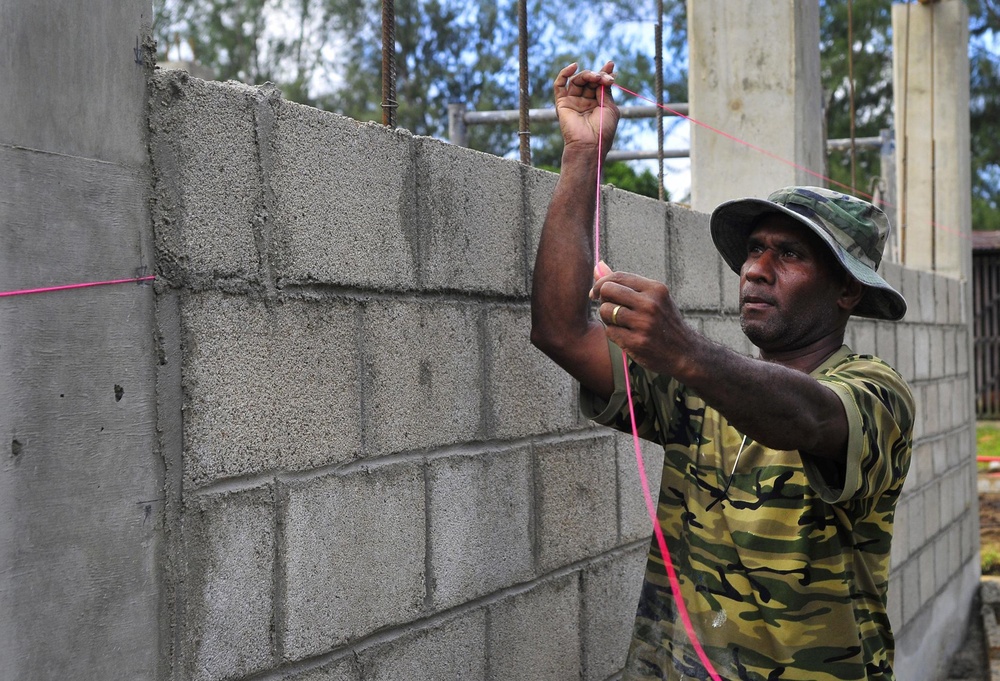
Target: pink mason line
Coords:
[(675, 585), (66, 287), (668, 564), (597, 209), (778, 158)]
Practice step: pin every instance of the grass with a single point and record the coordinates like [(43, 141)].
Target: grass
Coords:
[(987, 440), (989, 557), (988, 444)]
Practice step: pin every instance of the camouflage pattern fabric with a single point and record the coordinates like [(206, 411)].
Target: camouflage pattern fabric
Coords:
[(784, 573)]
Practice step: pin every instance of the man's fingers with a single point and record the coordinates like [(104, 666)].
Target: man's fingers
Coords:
[(619, 286), (612, 313)]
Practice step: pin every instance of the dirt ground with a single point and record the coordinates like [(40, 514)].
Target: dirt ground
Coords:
[(989, 519), (971, 663)]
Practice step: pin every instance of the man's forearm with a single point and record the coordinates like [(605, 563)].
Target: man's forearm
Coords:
[(780, 407)]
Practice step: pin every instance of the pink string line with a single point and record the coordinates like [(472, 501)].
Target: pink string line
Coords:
[(780, 159), (597, 209), (66, 287), (675, 585)]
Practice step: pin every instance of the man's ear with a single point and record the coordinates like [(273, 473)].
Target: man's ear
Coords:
[(851, 294)]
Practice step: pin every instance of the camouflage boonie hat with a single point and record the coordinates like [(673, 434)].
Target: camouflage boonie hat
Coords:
[(854, 230)]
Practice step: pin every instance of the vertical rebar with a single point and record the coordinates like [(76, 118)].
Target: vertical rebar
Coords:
[(524, 125), (388, 63), (659, 98), (850, 78)]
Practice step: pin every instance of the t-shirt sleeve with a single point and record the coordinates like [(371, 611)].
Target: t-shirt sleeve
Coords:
[(879, 409), (614, 412)]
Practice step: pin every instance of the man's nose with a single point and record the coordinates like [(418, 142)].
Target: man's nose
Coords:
[(760, 266)]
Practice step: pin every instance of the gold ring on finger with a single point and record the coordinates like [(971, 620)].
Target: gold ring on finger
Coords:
[(614, 315)]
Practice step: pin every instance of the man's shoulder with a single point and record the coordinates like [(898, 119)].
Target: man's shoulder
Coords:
[(847, 361), (868, 373)]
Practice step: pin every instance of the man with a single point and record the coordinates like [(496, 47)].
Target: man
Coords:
[(781, 473)]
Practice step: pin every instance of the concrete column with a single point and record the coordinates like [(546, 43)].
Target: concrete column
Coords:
[(931, 74), (81, 480), (754, 73)]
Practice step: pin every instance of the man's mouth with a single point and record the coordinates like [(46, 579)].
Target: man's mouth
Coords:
[(755, 302)]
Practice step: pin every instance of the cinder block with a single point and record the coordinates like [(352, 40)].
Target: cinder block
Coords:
[(956, 313), (970, 535), (962, 350), (727, 331), (928, 584), (268, 386), (529, 394), (950, 350), (937, 351), (575, 500), (946, 406), (921, 465), (343, 669), (536, 634), (864, 339), (905, 351), (469, 211), (911, 590), (900, 547), (454, 650), (911, 292), (941, 285), (941, 561), (538, 188), (633, 521), (946, 503), (730, 283), (207, 191), (424, 374), (343, 201), (928, 307), (693, 259), (885, 342), (229, 584), (918, 410), (610, 594), (480, 524), (916, 524), (922, 352), (637, 234), (951, 555), (353, 558), (930, 411), (965, 491), (932, 508), (894, 600)]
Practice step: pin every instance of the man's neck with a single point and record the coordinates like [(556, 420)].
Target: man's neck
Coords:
[(807, 358)]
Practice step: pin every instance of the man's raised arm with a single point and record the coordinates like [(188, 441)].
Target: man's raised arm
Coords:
[(561, 325)]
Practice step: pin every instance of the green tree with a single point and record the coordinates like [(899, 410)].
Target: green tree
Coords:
[(466, 51), (624, 176)]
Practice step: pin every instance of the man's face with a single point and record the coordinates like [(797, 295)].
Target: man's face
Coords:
[(789, 286)]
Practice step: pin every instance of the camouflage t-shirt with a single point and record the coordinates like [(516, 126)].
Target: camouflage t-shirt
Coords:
[(784, 569)]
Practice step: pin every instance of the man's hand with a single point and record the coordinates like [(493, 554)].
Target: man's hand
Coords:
[(642, 319), (578, 105)]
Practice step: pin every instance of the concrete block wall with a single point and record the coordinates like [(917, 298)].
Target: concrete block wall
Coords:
[(371, 474), (935, 550)]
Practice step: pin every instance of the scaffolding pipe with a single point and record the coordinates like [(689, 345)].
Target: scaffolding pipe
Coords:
[(549, 115)]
